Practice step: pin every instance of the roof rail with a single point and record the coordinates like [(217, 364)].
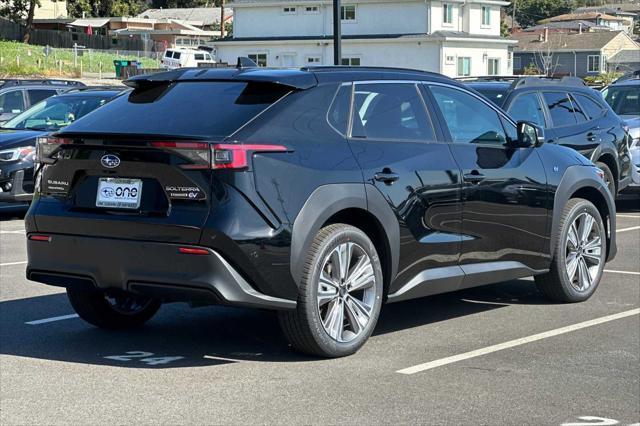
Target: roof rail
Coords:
[(549, 81), (630, 76), (94, 88), (10, 82), (357, 68), (496, 78)]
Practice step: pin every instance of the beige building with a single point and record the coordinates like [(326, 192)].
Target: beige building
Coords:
[(49, 9)]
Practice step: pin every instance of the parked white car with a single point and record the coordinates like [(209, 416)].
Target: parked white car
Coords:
[(185, 57)]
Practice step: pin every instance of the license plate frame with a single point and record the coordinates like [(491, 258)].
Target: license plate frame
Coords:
[(119, 193)]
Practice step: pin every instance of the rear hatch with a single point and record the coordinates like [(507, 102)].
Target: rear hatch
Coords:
[(150, 165)]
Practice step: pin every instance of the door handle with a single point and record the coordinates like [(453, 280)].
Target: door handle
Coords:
[(386, 177), (473, 177)]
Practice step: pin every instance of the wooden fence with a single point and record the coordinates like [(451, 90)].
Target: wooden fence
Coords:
[(11, 31)]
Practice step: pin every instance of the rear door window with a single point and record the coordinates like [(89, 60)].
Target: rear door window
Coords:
[(560, 108), (37, 95), (590, 107), (184, 109), (527, 107), (393, 111)]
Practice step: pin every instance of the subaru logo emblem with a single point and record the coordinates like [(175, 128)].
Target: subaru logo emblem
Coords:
[(110, 161)]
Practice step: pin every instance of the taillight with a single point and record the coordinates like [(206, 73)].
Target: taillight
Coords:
[(46, 146), (197, 153), (193, 250), (235, 156), (203, 155), (43, 238)]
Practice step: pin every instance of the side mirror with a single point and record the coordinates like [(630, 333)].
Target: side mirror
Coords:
[(530, 134)]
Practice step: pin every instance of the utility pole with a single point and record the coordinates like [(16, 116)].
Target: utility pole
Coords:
[(337, 33), (221, 18), (513, 17)]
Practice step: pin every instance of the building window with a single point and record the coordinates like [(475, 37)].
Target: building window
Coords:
[(486, 16), (311, 9), (353, 61), (289, 10), (464, 67), (493, 66), (447, 13), (517, 63), (593, 63), (348, 13), (450, 59), (259, 58), (314, 60)]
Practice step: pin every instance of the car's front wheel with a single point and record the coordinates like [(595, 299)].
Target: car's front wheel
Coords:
[(120, 311), (340, 294), (580, 254)]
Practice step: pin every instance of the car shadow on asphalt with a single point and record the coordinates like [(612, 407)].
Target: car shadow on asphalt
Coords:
[(628, 204), (211, 336)]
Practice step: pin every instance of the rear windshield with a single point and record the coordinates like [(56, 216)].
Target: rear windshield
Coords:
[(494, 95), (184, 109)]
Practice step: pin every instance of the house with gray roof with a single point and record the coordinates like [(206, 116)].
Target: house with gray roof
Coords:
[(207, 17), (575, 54)]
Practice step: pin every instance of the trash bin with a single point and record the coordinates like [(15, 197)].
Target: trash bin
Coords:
[(119, 64)]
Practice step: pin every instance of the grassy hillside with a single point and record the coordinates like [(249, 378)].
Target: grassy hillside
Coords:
[(30, 60)]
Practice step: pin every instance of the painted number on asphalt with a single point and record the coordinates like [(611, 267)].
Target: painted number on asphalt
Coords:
[(146, 357)]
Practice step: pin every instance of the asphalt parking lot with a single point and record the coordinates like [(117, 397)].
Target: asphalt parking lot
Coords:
[(499, 354)]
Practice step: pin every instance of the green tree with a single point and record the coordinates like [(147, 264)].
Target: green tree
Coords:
[(20, 11), (104, 8), (529, 12)]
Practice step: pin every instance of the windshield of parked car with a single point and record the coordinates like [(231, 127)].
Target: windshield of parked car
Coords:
[(624, 100), (496, 96), (56, 112)]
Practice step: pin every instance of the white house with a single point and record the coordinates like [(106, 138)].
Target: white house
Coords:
[(452, 37)]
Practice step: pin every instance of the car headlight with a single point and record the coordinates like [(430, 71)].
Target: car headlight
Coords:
[(15, 154)]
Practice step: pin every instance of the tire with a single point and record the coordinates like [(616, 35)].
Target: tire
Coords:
[(609, 179), (556, 284), (315, 327), (116, 313)]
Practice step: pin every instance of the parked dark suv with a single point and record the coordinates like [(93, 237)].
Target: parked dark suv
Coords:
[(317, 192), (573, 115)]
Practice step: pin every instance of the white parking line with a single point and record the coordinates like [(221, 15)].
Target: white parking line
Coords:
[(633, 228), (517, 342), (613, 271), (52, 319), (13, 263), (634, 216)]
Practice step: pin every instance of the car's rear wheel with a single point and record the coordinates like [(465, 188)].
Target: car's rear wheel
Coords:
[(580, 254), (120, 311), (609, 179), (340, 294)]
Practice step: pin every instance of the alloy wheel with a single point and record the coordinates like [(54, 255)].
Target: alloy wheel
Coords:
[(346, 292), (584, 254)]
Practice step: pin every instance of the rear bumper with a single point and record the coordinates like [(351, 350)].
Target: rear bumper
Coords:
[(150, 269)]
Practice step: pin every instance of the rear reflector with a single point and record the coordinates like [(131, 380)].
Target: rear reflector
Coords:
[(45, 238), (191, 250)]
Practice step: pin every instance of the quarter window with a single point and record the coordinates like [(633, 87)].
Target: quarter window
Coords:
[(589, 106), (348, 13), (527, 107), (561, 108), (339, 112), (390, 111), (259, 58), (468, 118), (447, 13)]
